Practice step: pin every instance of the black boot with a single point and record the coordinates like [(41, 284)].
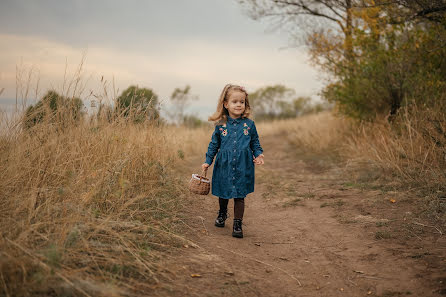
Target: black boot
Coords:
[(220, 220), (237, 228)]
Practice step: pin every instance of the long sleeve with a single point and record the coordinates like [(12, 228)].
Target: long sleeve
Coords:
[(214, 146), (255, 143)]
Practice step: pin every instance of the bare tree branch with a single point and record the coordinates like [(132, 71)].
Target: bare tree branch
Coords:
[(304, 7), (331, 8)]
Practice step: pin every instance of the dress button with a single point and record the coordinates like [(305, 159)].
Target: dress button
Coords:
[(235, 141), (233, 186), (233, 159), (233, 168), (233, 177), (234, 151), (234, 124)]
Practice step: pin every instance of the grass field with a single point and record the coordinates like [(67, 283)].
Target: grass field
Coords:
[(89, 209)]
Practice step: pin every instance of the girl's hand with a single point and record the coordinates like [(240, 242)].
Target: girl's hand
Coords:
[(259, 160), (205, 166)]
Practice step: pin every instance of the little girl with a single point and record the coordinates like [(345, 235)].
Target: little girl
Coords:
[(236, 143)]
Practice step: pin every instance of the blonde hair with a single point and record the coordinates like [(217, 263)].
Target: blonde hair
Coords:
[(221, 115)]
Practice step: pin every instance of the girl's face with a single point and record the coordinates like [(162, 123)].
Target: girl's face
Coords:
[(235, 104)]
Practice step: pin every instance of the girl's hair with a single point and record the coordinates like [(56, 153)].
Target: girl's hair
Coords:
[(221, 115)]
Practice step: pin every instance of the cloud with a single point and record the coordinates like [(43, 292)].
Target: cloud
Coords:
[(206, 66), (155, 44), (126, 24)]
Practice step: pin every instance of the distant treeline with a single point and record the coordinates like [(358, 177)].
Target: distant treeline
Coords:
[(142, 104), (280, 102)]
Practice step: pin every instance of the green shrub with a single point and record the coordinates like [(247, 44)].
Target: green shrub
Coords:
[(53, 108)]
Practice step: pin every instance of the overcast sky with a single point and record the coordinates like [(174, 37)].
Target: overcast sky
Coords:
[(155, 44)]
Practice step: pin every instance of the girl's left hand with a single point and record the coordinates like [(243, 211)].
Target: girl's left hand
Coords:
[(259, 160)]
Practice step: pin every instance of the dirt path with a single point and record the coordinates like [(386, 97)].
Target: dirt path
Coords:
[(306, 234)]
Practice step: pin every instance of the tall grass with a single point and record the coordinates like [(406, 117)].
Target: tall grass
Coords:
[(410, 151), (86, 205), (317, 133), (89, 205)]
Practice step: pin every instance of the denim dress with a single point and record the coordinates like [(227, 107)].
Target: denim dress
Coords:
[(235, 143)]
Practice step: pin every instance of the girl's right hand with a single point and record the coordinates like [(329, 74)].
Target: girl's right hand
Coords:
[(205, 166)]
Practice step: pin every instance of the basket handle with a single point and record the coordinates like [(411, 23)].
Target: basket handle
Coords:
[(203, 173)]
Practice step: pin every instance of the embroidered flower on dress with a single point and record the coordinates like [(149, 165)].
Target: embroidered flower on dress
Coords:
[(245, 125), (224, 132), (245, 131)]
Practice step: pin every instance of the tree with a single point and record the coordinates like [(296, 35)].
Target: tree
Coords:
[(381, 55), (179, 99), (264, 101), (395, 64), (430, 10), (302, 15), (278, 102), (140, 104), (53, 108)]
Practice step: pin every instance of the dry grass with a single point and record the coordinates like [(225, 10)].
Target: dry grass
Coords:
[(410, 153), (321, 133), (89, 206), (412, 148), (192, 141), (87, 210)]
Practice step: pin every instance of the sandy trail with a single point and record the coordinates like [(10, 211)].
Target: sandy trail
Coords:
[(306, 234)]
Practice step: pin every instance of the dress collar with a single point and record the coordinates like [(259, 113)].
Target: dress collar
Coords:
[(231, 120)]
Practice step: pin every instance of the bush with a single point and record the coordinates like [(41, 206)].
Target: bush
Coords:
[(53, 108), (139, 104), (393, 66)]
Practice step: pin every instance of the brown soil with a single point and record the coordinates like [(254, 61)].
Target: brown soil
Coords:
[(309, 231)]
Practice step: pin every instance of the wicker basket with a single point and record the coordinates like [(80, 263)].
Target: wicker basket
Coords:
[(200, 184)]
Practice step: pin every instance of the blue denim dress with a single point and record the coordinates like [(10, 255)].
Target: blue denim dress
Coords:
[(235, 143)]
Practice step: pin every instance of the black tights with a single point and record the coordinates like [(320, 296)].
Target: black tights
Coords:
[(239, 206)]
